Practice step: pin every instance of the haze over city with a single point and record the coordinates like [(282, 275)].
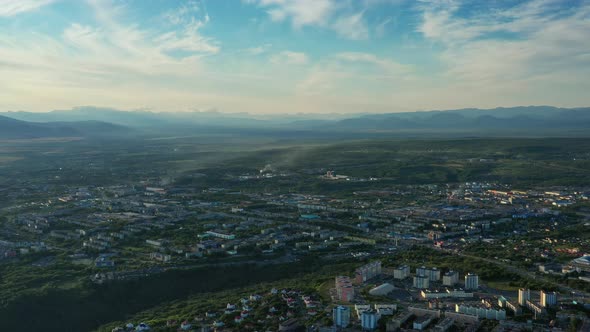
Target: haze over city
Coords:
[(281, 56)]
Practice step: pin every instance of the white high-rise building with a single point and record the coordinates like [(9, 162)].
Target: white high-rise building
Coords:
[(523, 296), (341, 316), (401, 272), (471, 281), (369, 320), (432, 273), (421, 282), (548, 299), (451, 278)]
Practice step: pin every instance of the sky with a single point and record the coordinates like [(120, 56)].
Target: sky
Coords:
[(293, 56)]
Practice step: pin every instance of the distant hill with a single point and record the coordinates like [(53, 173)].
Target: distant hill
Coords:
[(17, 129), (531, 119), (522, 120)]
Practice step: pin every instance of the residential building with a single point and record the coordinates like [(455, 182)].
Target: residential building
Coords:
[(444, 325), (524, 295), (385, 309), (422, 322), (401, 272), (398, 321), (344, 289), (369, 320), (471, 281), (341, 316), (421, 282), (432, 273), (451, 278), (481, 311), (536, 308), (221, 235), (367, 272), (548, 299), (447, 293)]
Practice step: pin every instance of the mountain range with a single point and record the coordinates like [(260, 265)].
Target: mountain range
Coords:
[(105, 122), (11, 128)]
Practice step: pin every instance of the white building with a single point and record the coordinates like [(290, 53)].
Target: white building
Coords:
[(432, 273), (451, 278), (446, 293), (421, 282), (523, 296), (341, 316), (548, 299), (421, 323), (385, 309), (471, 281), (481, 312), (369, 320), (360, 308), (401, 272)]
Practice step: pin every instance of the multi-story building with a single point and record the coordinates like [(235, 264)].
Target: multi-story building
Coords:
[(481, 311), (422, 322), (401, 272), (548, 299), (432, 273), (367, 272), (446, 293), (344, 289), (523, 296), (421, 282), (369, 320), (536, 308), (471, 281), (220, 235), (341, 316), (444, 325), (451, 278)]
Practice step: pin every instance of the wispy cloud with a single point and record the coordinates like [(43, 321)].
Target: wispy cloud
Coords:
[(290, 58), (257, 50), (339, 16), (14, 7), (521, 42), (388, 66)]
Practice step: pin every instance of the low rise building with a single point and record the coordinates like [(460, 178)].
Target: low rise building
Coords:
[(422, 322)]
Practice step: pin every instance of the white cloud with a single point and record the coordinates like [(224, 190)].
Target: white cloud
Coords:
[(15, 7), (106, 60), (290, 58), (339, 16), (351, 27), (257, 50), (534, 44), (300, 12), (380, 29), (387, 65)]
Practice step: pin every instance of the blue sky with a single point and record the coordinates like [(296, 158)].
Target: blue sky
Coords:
[(293, 56)]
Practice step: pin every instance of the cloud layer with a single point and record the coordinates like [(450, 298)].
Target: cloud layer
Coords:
[(293, 55)]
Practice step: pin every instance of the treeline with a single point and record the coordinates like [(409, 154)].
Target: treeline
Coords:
[(88, 307)]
